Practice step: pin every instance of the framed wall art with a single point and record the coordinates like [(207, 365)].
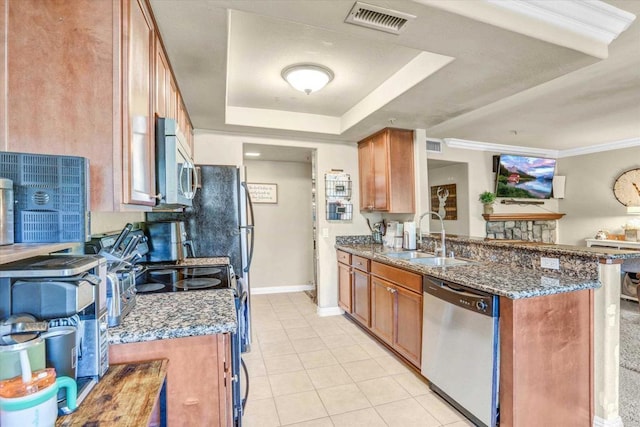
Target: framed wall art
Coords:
[(263, 193), (444, 201)]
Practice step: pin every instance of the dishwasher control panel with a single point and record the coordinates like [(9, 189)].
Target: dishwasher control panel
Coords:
[(462, 296)]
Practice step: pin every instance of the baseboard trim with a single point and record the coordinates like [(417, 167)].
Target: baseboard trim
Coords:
[(601, 422), (281, 289), (329, 311)]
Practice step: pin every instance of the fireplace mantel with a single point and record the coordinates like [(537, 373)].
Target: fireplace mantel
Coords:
[(549, 216)]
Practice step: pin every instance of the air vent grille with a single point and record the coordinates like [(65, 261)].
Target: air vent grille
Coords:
[(378, 18), (434, 146)]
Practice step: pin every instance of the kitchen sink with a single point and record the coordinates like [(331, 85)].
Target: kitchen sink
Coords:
[(408, 255), (440, 262)]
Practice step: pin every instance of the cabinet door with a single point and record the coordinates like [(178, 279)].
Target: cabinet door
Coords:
[(344, 287), (138, 142), (360, 303), (408, 331), (365, 169), (162, 80), (195, 378), (382, 309), (380, 150), (172, 109)]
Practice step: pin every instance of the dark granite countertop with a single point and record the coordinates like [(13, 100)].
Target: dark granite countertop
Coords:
[(499, 278), (177, 315)]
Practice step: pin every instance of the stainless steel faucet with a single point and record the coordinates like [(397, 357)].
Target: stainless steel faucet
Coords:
[(442, 232)]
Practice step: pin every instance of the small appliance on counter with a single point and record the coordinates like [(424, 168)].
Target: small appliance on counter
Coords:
[(68, 292), (122, 251), (168, 241), (51, 195), (409, 240)]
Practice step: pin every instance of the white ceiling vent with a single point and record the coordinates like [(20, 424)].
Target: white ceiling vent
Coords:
[(378, 18), (434, 146)]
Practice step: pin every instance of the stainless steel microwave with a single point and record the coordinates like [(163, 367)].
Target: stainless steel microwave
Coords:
[(176, 177)]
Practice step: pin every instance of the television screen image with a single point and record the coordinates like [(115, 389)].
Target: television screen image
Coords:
[(525, 177)]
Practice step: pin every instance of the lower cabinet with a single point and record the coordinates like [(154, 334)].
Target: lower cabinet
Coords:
[(344, 281), (198, 378), (396, 318), (385, 299), (360, 305)]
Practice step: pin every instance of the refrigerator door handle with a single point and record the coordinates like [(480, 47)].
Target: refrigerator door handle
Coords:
[(249, 227), (251, 232)]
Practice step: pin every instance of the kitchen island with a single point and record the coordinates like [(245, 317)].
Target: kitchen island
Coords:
[(557, 330), (193, 331)]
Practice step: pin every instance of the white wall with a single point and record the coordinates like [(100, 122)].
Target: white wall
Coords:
[(283, 253), (106, 222), (589, 201), (217, 148), (455, 174)]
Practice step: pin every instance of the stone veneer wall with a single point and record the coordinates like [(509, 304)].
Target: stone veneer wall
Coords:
[(530, 231)]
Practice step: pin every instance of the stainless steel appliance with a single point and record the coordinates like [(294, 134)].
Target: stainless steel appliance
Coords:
[(176, 179), (65, 290), (168, 241), (6, 211), (122, 251), (460, 348)]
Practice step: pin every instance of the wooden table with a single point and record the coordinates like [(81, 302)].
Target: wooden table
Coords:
[(128, 395)]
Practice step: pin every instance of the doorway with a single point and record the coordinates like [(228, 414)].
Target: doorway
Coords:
[(285, 258)]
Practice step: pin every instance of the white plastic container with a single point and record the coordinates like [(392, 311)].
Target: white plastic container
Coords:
[(409, 241)]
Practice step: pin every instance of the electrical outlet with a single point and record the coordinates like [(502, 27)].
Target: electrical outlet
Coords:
[(553, 263)]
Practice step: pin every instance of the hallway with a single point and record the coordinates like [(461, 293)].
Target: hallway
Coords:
[(307, 370)]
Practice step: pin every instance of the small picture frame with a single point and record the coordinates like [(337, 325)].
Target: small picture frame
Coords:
[(263, 193)]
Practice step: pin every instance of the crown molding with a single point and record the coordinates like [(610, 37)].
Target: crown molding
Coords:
[(591, 18), (598, 148), (588, 26), (500, 148), (554, 154)]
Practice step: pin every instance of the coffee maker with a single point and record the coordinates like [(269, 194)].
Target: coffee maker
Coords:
[(69, 291)]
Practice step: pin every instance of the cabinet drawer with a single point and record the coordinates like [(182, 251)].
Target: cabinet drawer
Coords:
[(406, 279), (360, 263), (344, 257)]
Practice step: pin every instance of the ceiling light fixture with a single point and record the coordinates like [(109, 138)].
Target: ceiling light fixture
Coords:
[(307, 78), (252, 154)]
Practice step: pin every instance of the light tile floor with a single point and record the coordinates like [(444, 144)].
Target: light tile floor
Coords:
[(307, 370)]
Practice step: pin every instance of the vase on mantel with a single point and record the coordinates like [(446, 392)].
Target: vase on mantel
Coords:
[(487, 208)]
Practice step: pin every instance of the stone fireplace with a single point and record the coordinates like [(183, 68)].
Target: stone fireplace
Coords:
[(523, 227)]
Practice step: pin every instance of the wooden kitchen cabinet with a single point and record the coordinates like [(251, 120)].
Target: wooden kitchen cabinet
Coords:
[(198, 378), (386, 171), (94, 96), (360, 308), (344, 281), (396, 310), (139, 182), (162, 81)]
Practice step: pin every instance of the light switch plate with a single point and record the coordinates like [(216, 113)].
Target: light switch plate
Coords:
[(552, 263), (325, 232)]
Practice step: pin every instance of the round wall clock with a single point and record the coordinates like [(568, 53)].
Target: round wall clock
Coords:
[(627, 188)]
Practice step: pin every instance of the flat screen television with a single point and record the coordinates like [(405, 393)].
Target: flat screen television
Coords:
[(525, 177)]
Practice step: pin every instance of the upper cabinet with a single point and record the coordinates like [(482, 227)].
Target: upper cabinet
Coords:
[(385, 161), (139, 42), (95, 95)]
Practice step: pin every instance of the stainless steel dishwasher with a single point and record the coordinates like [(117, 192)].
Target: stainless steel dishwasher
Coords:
[(460, 355)]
